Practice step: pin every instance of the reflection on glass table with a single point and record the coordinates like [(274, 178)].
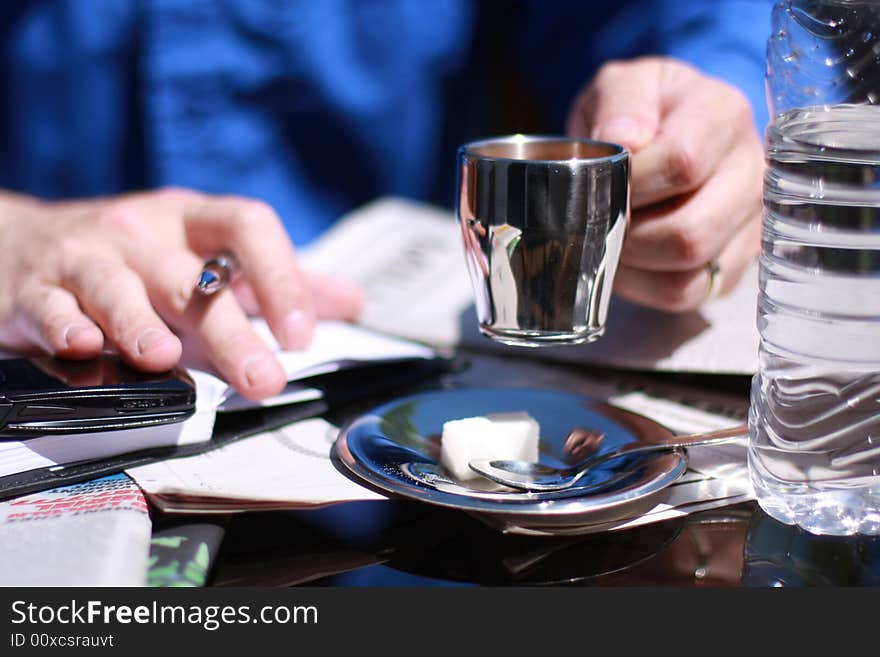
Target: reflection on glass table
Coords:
[(784, 555), (411, 544)]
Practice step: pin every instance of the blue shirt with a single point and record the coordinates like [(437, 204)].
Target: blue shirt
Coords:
[(317, 107)]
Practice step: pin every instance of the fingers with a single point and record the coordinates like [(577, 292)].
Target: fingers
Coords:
[(233, 347), (245, 295), (678, 291), (335, 298), (270, 284), (122, 271), (683, 235), (668, 247), (114, 297), (696, 176), (701, 127), (678, 123), (253, 231), (218, 324), (621, 104), (50, 317)]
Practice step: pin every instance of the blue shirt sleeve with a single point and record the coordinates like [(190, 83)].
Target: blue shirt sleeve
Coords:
[(725, 38), (563, 43)]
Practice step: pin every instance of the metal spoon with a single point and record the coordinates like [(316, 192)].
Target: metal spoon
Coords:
[(538, 477)]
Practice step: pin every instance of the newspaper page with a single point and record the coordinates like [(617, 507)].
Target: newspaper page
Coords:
[(287, 468), (290, 468)]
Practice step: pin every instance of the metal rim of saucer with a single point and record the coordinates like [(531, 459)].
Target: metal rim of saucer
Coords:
[(371, 457)]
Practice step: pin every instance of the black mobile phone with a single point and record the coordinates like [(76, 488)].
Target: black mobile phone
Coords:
[(53, 396)]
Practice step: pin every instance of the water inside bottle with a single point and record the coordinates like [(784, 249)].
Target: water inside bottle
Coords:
[(815, 412)]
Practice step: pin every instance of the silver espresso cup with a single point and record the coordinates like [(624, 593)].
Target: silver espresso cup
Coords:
[(543, 221)]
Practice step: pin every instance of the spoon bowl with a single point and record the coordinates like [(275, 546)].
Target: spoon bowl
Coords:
[(526, 475)]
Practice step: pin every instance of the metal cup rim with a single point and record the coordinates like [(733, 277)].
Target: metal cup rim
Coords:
[(619, 153)]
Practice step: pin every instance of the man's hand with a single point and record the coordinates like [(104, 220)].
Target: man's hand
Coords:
[(122, 270), (697, 169)]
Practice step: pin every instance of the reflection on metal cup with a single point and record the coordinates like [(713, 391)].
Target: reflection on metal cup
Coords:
[(543, 221)]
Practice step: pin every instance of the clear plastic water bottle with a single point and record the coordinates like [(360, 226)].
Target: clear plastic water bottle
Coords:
[(814, 453)]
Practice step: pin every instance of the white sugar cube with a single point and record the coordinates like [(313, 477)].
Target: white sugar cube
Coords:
[(495, 436)]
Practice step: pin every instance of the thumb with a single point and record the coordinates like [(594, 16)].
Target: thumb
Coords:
[(622, 104)]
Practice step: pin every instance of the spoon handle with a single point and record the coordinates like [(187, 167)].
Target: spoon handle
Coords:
[(718, 437), (708, 437)]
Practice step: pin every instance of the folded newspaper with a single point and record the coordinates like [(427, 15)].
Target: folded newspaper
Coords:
[(96, 533)]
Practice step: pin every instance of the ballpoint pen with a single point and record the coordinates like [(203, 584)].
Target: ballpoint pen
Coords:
[(216, 274)]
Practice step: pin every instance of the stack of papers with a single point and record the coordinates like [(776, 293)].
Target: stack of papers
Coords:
[(290, 468)]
